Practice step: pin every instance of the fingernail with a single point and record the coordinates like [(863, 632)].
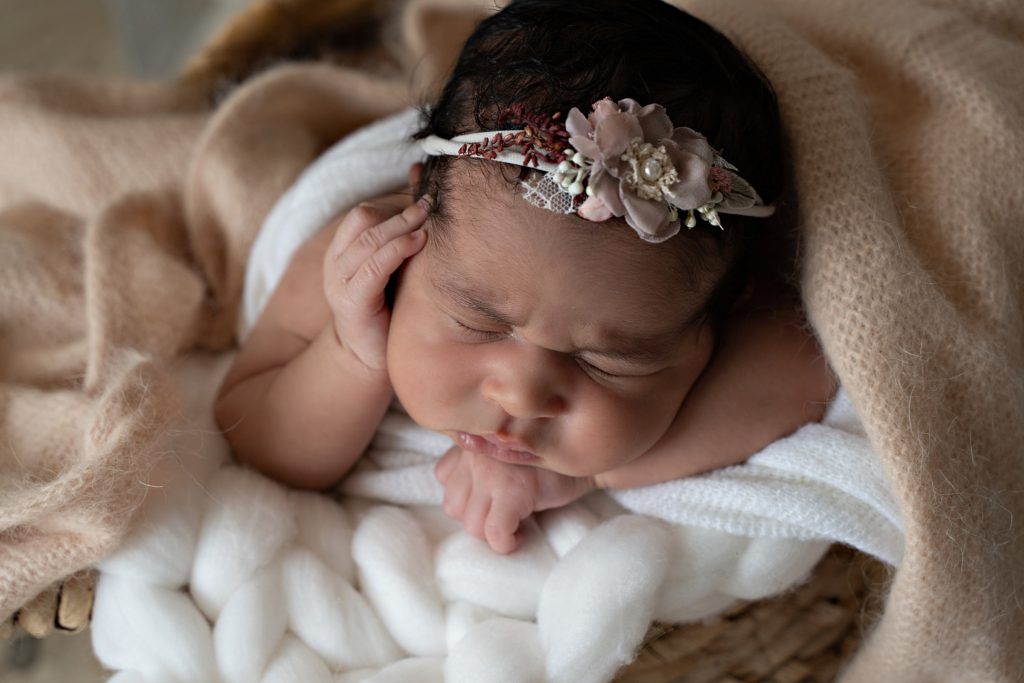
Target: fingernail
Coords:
[(424, 202)]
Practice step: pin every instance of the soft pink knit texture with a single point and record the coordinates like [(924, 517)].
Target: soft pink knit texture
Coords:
[(126, 213)]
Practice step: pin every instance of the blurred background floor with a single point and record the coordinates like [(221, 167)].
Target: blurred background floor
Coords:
[(141, 38), (57, 658), (148, 39)]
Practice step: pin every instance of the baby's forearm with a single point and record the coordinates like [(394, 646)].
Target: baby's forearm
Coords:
[(305, 422), (767, 379)]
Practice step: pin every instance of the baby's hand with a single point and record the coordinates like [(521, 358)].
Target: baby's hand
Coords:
[(370, 244), (491, 498)]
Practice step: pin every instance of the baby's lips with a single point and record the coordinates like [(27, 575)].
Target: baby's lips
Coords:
[(482, 446)]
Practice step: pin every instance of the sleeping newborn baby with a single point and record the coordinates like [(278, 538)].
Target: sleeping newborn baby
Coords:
[(581, 295)]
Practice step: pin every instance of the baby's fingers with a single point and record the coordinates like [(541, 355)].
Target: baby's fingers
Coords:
[(474, 516), (457, 490), (503, 520), (369, 281), (447, 463), (350, 250)]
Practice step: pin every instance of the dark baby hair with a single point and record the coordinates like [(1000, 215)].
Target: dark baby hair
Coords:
[(553, 55)]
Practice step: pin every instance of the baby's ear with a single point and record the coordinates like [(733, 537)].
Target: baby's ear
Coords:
[(415, 173)]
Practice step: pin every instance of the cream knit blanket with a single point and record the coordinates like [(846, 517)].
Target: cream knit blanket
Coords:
[(126, 212)]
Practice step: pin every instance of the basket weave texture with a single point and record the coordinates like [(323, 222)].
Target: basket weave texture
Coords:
[(802, 636)]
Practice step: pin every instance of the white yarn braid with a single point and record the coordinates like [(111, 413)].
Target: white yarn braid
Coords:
[(230, 577)]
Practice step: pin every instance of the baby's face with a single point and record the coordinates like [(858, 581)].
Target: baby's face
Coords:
[(538, 341)]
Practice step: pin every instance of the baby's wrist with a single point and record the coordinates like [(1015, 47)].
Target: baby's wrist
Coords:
[(345, 358), (585, 485)]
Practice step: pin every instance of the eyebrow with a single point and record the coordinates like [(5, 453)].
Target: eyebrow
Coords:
[(469, 298), (625, 347)]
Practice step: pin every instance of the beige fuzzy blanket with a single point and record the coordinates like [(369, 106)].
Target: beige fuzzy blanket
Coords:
[(126, 212)]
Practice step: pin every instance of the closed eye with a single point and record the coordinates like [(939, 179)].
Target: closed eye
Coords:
[(608, 374), (476, 333), (593, 369), (626, 371)]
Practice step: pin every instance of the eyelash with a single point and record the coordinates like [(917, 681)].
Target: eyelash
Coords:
[(590, 367), (483, 334)]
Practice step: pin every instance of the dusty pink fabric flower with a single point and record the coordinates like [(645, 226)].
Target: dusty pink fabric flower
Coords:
[(643, 168)]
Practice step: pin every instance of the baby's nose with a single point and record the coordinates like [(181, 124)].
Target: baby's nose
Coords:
[(527, 386)]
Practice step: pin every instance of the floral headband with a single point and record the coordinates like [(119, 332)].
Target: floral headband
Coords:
[(621, 160)]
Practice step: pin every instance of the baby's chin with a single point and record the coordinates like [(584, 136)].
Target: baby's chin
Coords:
[(566, 465), (569, 471)]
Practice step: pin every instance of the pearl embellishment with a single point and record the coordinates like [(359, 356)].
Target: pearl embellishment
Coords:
[(651, 170)]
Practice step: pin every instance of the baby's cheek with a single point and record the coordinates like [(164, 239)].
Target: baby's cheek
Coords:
[(428, 379), (415, 379), (609, 435), (407, 368)]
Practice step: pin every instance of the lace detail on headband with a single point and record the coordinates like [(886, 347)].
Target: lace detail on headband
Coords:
[(546, 193)]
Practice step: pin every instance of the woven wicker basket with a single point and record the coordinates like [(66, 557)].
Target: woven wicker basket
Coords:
[(805, 635)]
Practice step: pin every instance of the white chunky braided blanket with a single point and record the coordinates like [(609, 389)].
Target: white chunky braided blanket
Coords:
[(231, 577)]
